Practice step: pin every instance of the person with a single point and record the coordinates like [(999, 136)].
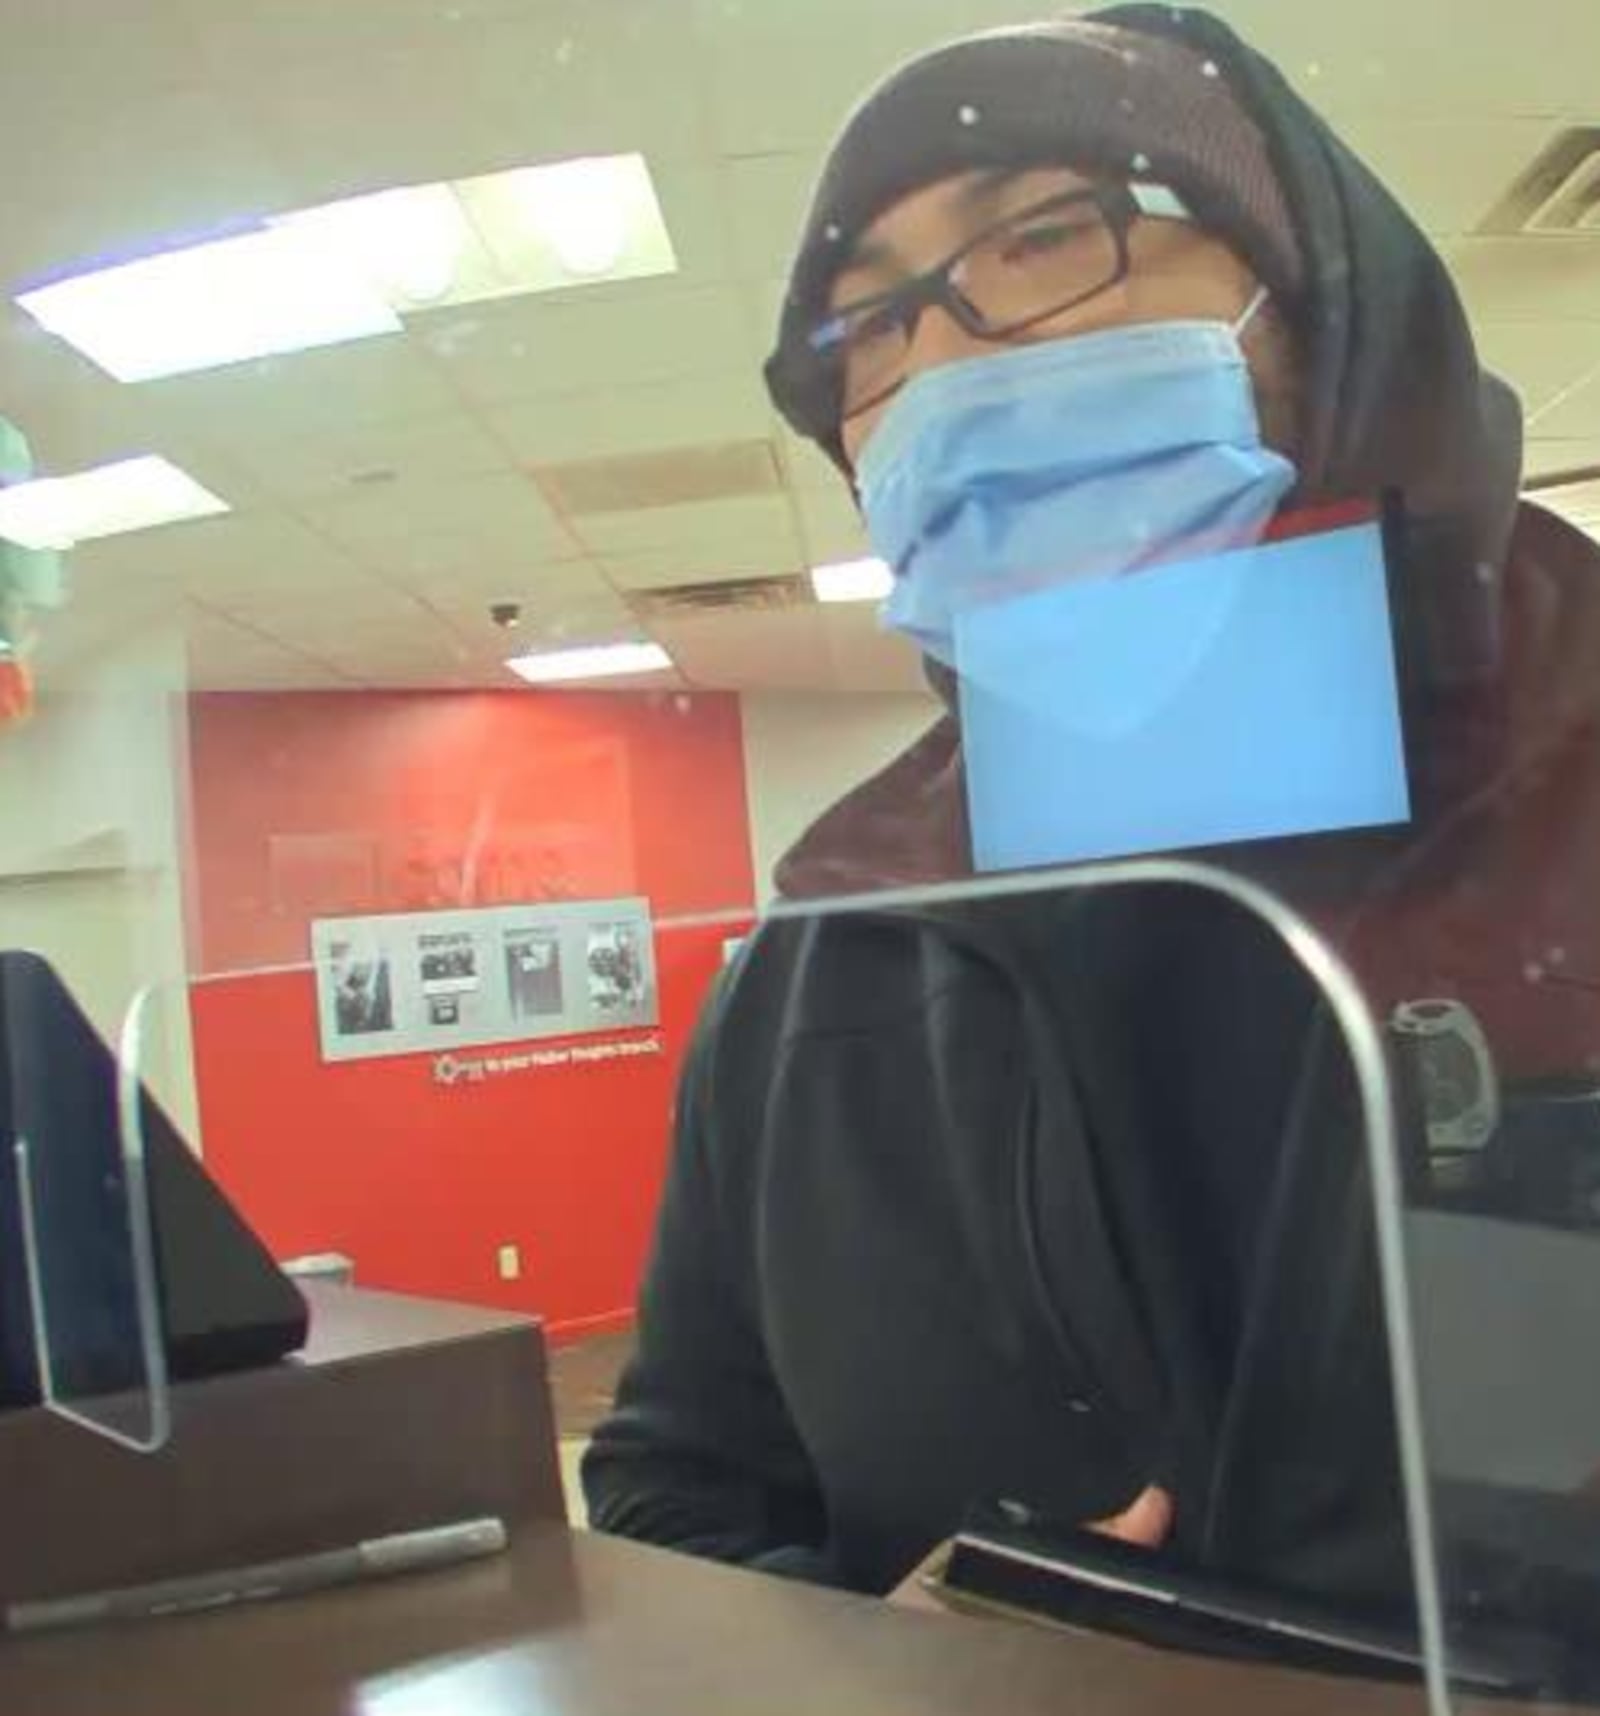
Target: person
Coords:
[(1062, 1200)]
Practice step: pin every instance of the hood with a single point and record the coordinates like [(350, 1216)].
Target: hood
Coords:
[(1392, 394), (1393, 399)]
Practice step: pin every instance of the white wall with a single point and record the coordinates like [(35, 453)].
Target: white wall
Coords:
[(803, 751), (90, 806)]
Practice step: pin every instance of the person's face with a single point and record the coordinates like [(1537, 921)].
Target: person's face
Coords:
[(1176, 272)]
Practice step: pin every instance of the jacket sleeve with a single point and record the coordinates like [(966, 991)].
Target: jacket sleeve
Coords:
[(699, 1453)]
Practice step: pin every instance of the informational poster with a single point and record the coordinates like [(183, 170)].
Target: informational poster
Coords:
[(421, 982)]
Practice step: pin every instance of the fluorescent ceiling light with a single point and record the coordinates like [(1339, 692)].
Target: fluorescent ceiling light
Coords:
[(581, 210), (349, 270), (852, 581), (571, 222), (409, 244), (255, 295), (602, 661), (133, 494)]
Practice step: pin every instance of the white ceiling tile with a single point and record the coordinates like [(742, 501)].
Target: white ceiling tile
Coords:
[(250, 37), (767, 198), (363, 382), (76, 417), (278, 671), (764, 300), (129, 178), (425, 675), (866, 657), (446, 97), (420, 646), (830, 524), (715, 405), (96, 622), (224, 655), (1528, 279), (1417, 60), (830, 52), (781, 651), (520, 575), (1369, 56), (261, 552), (364, 607), (1546, 455), (1579, 502), (751, 524), (595, 619), (585, 341), (424, 644), (323, 465), (1540, 359), (73, 414), (93, 51), (429, 564), (1447, 172), (805, 464), (662, 568), (444, 521), (1572, 414), (693, 206)]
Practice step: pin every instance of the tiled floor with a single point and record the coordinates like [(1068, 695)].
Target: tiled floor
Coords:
[(570, 1449), (583, 1379)]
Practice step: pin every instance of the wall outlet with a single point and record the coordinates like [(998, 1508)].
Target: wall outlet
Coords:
[(510, 1262)]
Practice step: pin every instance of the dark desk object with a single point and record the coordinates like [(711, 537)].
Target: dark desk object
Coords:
[(401, 1413), (569, 1624), (224, 1304)]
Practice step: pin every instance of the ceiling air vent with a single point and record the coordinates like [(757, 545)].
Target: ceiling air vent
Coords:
[(1558, 192), (729, 596), (675, 476)]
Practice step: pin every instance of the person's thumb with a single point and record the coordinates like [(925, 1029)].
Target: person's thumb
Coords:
[(1147, 1521)]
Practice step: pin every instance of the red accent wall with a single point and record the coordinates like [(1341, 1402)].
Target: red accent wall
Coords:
[(325, 805)]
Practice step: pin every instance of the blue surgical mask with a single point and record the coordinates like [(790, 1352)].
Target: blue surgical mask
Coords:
[(1087, 457)]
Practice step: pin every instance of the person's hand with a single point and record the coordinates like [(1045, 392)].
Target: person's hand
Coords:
[(1146, 1521)]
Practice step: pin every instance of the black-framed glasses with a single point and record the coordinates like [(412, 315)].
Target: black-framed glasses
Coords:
[(1039, 262)]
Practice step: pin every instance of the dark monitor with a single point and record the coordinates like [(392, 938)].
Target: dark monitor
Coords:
[(224, 1303)]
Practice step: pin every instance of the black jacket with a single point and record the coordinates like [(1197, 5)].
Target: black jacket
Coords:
[(917, 1249), (1052, 1199)]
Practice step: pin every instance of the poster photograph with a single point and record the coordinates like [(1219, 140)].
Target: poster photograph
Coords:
[(615, 971), (361, 987), (421, 982), (533, 973), (447, 964)]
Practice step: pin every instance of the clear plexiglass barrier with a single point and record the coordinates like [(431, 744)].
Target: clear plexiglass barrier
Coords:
[(1379, 1284), (82, 1197)]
